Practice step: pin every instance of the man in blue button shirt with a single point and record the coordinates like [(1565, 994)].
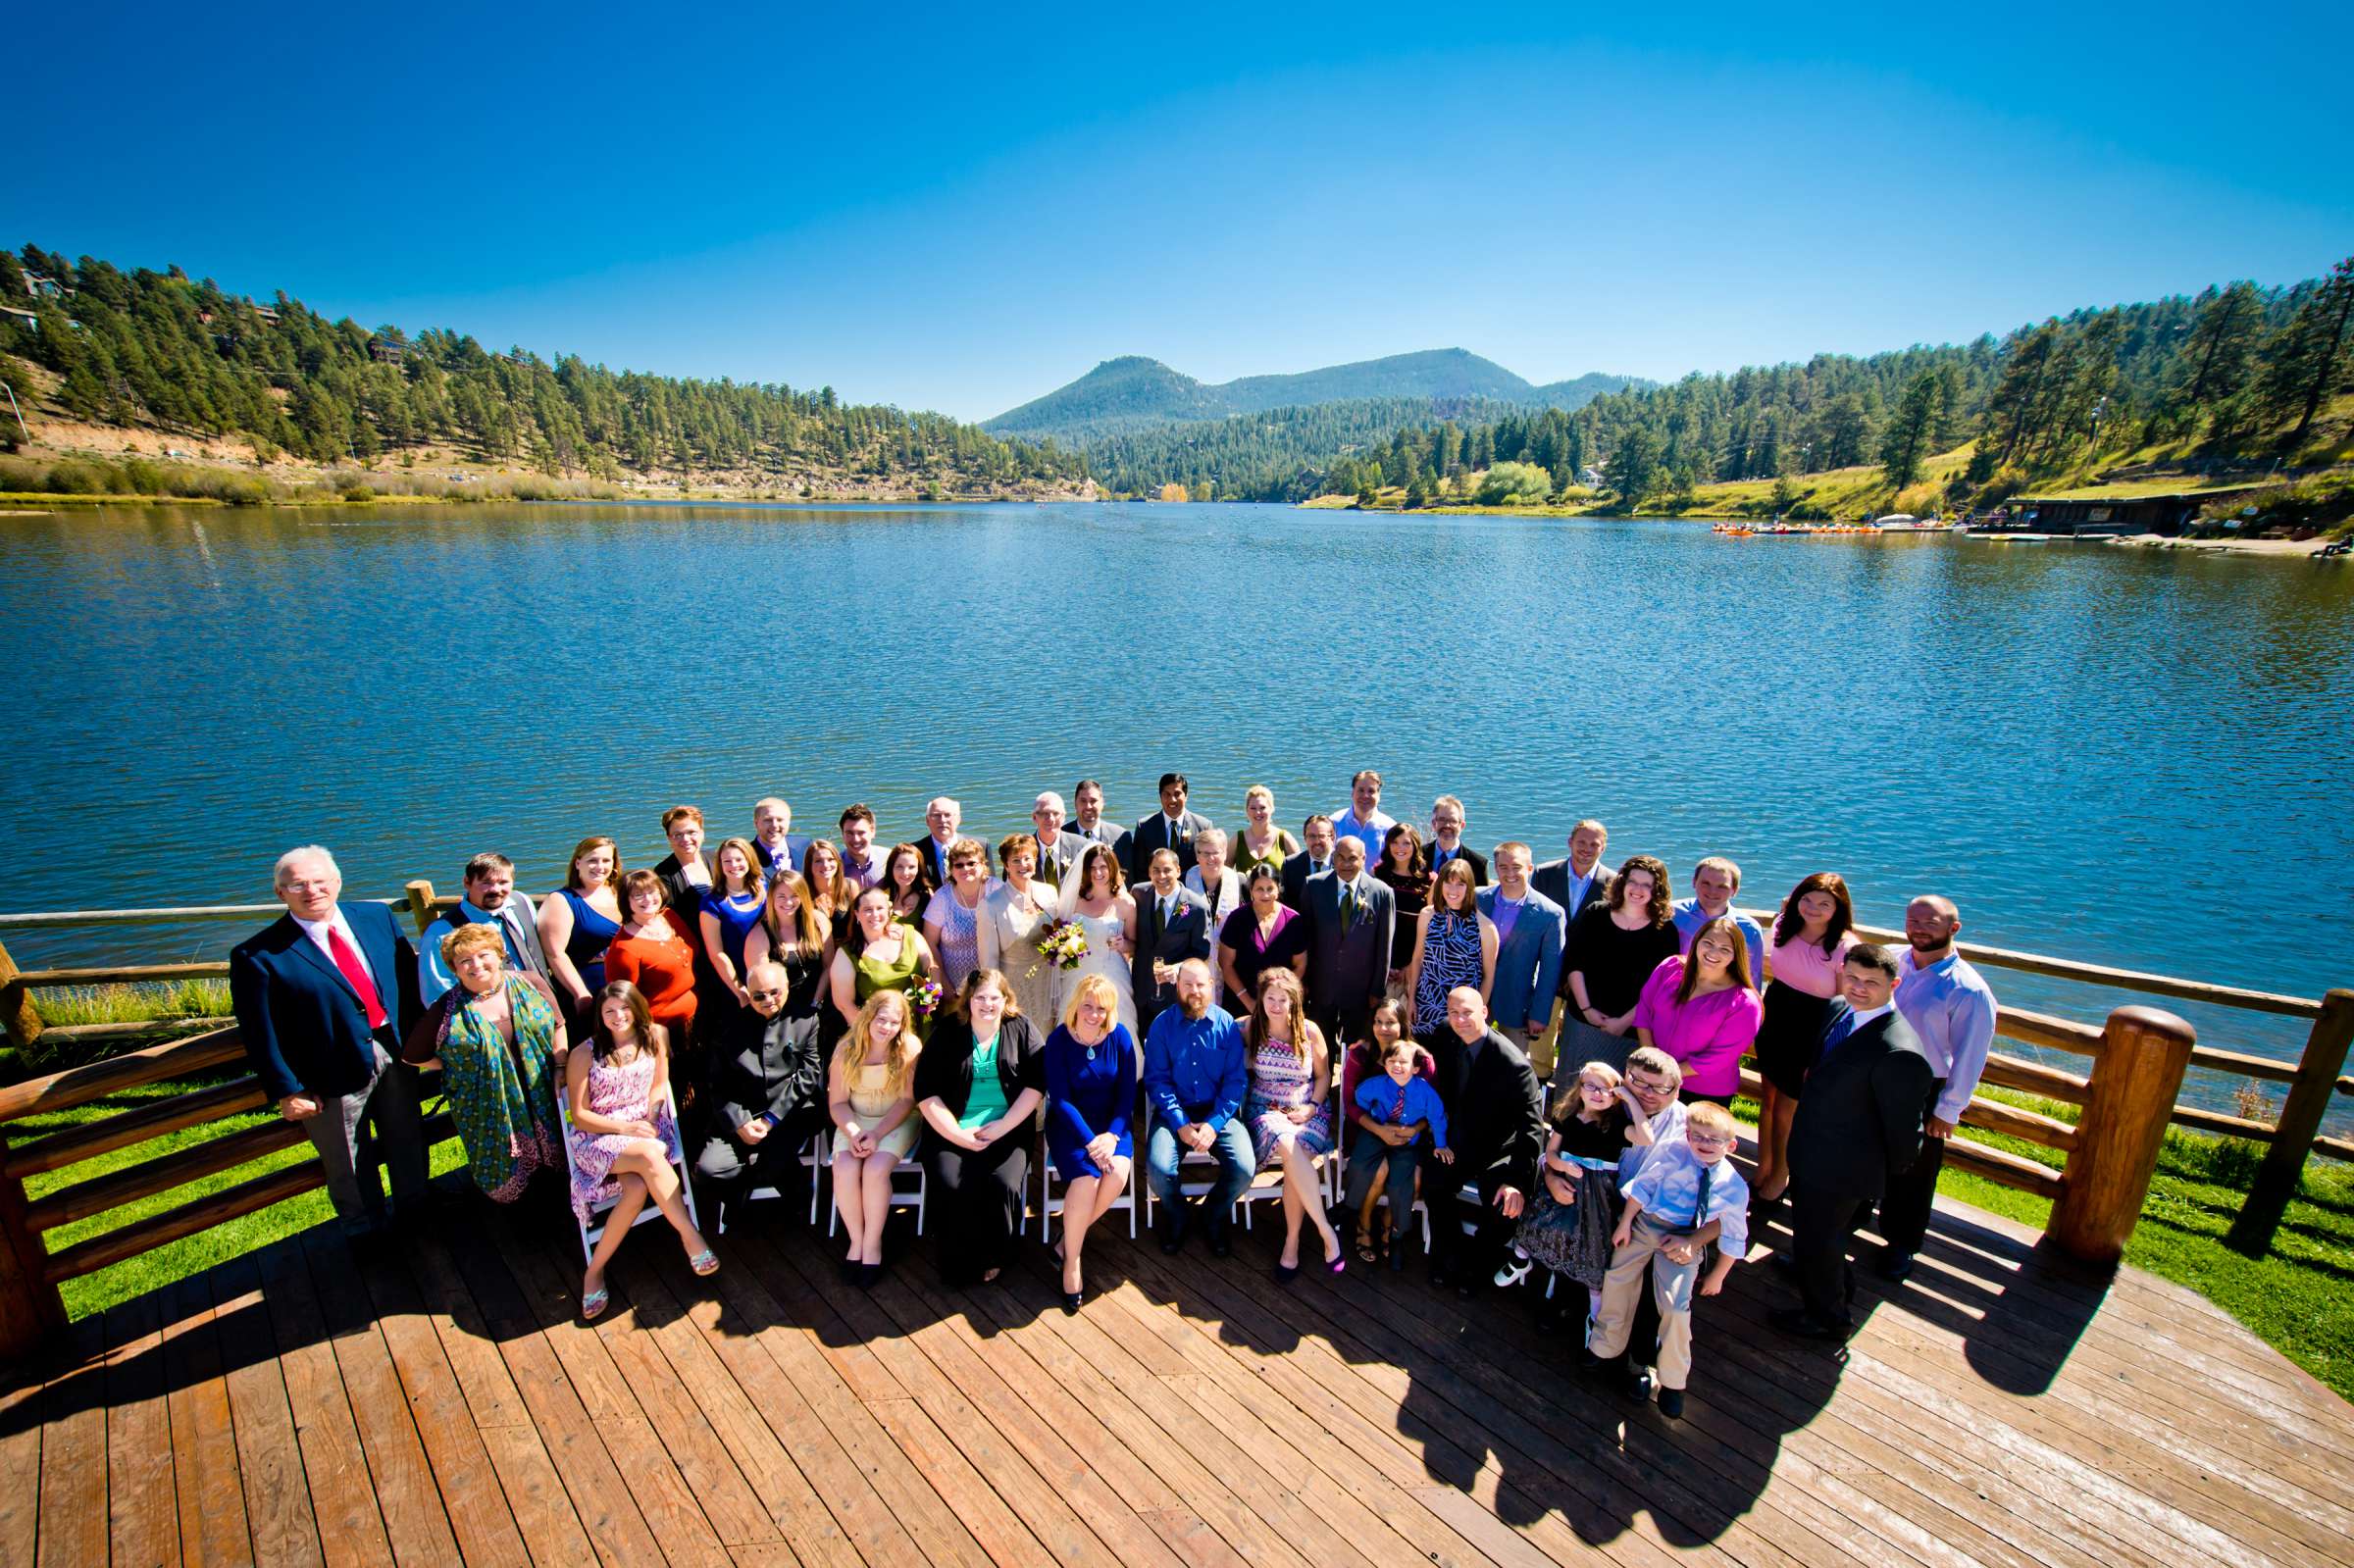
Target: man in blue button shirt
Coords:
[(1194, 1080), (1952, 1008)]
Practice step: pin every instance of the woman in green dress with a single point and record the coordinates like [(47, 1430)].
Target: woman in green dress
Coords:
[(1261, 842), (499, 1041), (882, 953)]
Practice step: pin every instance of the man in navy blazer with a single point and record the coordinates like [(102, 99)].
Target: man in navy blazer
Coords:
[(1173, 924), (322, 995), (1350, 920), (1528, 951)]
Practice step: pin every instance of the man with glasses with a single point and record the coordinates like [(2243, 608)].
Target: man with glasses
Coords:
[(770, 1087), (1858, 1129)]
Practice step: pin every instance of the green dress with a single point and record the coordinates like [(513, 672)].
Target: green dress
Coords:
[(1239, 857), (503, 1100), (899, 975)]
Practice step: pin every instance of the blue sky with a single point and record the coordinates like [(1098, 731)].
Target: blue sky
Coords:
[(961, 210)]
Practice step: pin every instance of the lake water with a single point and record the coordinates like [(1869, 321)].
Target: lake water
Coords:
[(2132, 757)]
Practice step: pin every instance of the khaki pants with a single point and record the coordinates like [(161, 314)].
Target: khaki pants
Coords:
[(1672, 1286), (1542, 1050)]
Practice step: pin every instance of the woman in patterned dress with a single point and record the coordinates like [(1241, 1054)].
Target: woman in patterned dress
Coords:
[(1454, 944), (623, 1126), (952, 919), (499, 1043), (1289, 1110)]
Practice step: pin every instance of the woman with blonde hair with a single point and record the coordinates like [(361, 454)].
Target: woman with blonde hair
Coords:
[(870, 1097), (1261, 842), (790, 935), (578, 921), (1091, 1094), (1289, 1110)]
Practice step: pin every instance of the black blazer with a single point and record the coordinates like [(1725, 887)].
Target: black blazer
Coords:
[(1152, 834), (946, 1067), (1479, 864), (304, 1028), (1859, 1122), (684, 896), (931, 859), (1295, 880), (1495, 1120), (770, 1066), (1349, 970), (1187, 937)]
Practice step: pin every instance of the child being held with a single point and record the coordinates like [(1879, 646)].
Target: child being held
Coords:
[(1403, 1102), (1567, 1228), (1686, 1196)]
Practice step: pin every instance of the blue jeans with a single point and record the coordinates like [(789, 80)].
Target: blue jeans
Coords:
[(1237, 1163)]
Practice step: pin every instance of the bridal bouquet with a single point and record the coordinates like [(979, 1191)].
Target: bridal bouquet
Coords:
[(924, 996), (1063, 942)]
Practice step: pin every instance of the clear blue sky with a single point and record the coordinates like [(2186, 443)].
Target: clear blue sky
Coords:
[(962, 210)]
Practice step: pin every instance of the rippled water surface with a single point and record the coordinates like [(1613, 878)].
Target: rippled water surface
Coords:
[(2127, 756)]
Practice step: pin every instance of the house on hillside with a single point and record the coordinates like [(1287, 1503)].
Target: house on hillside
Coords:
[(387, 350), (1591, 477), (44, 287), (269, 316), (19, 313)]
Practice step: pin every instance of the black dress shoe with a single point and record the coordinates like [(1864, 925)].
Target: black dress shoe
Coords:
[(1806, 1325), (1286, 1273), (1221, 1238), (1070, 1302), (1638, 1384), (1671, 1403), (1396, 1258), (1466, 1287), (1894, 1267), (1590, 1364), (1172, 1237)]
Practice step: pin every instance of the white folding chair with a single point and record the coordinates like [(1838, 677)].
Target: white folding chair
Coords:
[(812, 1159), (1345, 1131), (902, 1197), (1190, 1159), (1050, 1201), (609, 1194)]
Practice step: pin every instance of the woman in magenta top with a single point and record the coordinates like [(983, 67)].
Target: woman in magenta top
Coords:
[(1702, 1010)]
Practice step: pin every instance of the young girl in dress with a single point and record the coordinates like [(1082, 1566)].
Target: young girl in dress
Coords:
[(1568, 1227), (870, 1094), (623, 1125)]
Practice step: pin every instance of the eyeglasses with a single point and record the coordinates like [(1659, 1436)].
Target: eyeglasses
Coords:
[(766, 995), (1710, 1140)]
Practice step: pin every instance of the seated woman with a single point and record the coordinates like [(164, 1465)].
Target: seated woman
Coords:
[(656, 956), (578, 921), (870, 1098), (1264, 935), (499, 1043), (1702, 1011), (1289, 1110), (977, 1086), (623, 1124), (881, 953), (1091, 1089)]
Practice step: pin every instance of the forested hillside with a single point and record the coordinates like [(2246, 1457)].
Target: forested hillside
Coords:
[(2236, 373), (156, 348)]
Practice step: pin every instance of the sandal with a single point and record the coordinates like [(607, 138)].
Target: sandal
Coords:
[(592, 1305), (1366, 1251), (705, 1262)]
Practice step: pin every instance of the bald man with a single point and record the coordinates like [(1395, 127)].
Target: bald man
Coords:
[(1952, 1009)]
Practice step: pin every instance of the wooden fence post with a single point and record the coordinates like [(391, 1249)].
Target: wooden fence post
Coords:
[(22, 1023), (29, 1308), (2301, 1116), (2135, 1079), (421, 905)]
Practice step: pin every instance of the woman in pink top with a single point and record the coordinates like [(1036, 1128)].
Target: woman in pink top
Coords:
[(1701, 1009), (1810, 942)]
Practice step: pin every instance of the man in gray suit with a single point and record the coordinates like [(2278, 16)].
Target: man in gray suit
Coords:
[(1582, 879), (1088, 820), (1351, 919), (1171, 828), (1058, 848), (1173, 924)]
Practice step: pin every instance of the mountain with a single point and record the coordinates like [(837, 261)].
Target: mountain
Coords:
[(1132, 393)]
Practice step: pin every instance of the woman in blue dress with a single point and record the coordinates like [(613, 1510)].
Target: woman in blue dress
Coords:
[(1091, 1089), (731, 906), (578, 921)]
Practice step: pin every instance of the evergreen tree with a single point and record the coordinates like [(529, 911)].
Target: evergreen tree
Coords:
[(2305, 360), (1907, 442), (2214, 362), (1634, 467)]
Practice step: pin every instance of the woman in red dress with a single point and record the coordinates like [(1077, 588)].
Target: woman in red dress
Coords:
[(654, 953)]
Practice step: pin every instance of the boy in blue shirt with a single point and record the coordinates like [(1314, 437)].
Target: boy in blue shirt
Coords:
[(1402, 1099)]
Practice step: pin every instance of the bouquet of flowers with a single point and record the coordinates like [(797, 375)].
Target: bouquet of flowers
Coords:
[(1063, 942), (924, 996)]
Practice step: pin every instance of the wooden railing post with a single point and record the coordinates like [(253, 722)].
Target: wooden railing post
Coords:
[(421, 905), (2135, 1081), (29, 1308), (2308, 1098), (17, 1016)]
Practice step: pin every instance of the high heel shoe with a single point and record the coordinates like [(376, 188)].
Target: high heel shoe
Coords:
[(1286, 1273), (1071, 1300)]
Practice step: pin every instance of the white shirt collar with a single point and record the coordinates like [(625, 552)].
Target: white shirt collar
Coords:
[(1858, 1020)]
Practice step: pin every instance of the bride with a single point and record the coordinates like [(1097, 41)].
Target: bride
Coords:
[(1096, 897)]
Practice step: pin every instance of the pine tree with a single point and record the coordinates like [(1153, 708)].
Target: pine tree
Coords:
[(2306, 360), (2214, 358), (1907, 442)]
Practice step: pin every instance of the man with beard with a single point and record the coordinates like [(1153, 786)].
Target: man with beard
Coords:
[(1952, 1008), (491, 901), (1195, 1081)]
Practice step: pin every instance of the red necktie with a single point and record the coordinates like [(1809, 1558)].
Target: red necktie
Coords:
[(347, 959)]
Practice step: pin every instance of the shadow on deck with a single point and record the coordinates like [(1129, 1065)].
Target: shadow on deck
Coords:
[(436, 1400)]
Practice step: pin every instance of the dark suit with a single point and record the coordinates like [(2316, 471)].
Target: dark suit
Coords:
[(1477, 861), (1057, 860), (1152, 834), (1495, 1126), (684, 896), (1552, 879), (306, 1032), (1858, 1126), (797, 844), (1187, 937), (932, 861), (1295, 871), (1348, 971), (762, 1067)]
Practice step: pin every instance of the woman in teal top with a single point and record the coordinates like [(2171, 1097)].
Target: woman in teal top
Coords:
[(977, 1085)]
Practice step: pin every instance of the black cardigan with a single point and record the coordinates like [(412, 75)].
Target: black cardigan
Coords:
[(945, 1066)]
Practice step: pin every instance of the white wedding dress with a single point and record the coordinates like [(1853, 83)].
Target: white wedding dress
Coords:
[(1101, 960)]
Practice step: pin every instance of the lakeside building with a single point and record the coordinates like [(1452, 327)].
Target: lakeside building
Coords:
[(2086, 517)]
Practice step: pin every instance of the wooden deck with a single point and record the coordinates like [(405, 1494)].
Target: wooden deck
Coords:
[(439, 1402)]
